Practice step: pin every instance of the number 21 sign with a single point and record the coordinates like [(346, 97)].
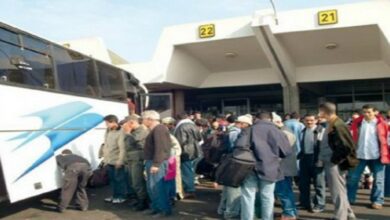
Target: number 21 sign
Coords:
[(327, 17), (206, 31)]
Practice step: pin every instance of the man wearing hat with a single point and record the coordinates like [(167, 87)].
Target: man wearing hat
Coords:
[(230, 204), (135, 141)]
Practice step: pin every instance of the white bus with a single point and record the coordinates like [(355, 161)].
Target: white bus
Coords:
[(52, 98)]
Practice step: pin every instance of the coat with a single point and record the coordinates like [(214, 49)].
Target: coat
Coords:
[(269, 145), (289, 163), (317, 132), (189, 137), (342, 145), (382, 131)]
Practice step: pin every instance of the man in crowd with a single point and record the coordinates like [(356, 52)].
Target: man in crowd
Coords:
[(189, 137), (77, 171), (284, 188), (269, 146), (230, 203), (157, 150), (296, 127), (311, 170), (337, 155), (370, 133), (135, 140), (114, 157)]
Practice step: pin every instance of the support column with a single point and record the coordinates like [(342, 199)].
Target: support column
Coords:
[(291, 99), (178, 102)]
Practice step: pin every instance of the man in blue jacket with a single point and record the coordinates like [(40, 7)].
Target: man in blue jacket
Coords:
[(269, 145)]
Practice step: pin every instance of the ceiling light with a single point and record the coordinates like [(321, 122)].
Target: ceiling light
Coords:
[(331, 46), (230, 55)]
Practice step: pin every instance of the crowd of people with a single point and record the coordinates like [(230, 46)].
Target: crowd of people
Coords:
[(153, 161)]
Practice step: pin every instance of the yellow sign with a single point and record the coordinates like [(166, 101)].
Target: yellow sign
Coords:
[(207, 30), (327, 17)]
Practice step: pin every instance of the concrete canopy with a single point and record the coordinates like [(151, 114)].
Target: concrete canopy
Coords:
[(255, 50)]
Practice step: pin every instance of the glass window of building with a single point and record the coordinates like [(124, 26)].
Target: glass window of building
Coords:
[(75, 72), (111, 82), (24, 66)]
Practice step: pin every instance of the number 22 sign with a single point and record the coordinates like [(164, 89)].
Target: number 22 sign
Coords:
[(206, 31), (327, 17)]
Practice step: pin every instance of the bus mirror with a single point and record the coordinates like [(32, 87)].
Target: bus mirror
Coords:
[(20, 63)]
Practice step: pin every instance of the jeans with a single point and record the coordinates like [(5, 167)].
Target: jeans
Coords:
[(284, 191), (248, 193), (387, 181), (308, 174), (117, 178), (158, 188), (230, 204), (377, 192), (188, 175)]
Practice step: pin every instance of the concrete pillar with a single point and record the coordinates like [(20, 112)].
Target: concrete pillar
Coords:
[(291, 99), (178, 102)]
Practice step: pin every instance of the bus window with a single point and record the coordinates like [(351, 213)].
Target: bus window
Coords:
[(32, 43), (111, 82), (75, 72), (8, 36), (25, 66)]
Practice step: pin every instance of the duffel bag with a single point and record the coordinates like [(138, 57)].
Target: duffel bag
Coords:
[(99, 177)]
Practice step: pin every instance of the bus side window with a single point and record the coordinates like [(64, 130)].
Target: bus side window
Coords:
[(111, 82), (24, 66), (75, 72)]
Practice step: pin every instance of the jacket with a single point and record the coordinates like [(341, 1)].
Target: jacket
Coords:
[(289, 164), (158, 145), (342, 145), (382, 131), (135, 142), (114, 150), (269, 145), (296, 128), (317, 132), (189, 137)]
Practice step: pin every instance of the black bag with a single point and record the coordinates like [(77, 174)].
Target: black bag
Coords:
[(99, 177), (236, 166), (233, 170)]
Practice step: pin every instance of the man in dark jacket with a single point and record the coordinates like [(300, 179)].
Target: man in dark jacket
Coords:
[(311, 171), (135, 135), (157, 150), (189, 137), (270, 145), (337, 154), (77, 171)]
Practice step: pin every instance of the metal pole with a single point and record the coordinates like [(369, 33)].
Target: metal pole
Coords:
[(275, 13)]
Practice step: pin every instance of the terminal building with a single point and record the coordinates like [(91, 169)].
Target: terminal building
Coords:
[(286, 62)]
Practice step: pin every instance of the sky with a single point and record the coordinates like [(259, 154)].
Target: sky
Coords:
[(131, 28)]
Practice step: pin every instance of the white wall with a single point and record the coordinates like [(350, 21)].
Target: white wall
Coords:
[(348, 71), (241, 78)]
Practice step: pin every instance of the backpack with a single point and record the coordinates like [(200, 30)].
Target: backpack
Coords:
[(215, 146)]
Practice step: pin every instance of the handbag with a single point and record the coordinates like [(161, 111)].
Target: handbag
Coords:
[(171, 171), (235, 167), (99, 177)]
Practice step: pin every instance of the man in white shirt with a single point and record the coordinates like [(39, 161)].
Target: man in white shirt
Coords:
[(370, 133)]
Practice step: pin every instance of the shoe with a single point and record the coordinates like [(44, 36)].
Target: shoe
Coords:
[(109, 199), (287, 218), (60, 210), (317, 209), (302, 207), (118, 201), (84, 209), (150, 212), (162, 215), (141, 207), (133, 202), (189, 196), (376, 206)]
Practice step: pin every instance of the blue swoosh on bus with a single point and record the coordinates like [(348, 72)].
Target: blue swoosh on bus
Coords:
[(69, 123)]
